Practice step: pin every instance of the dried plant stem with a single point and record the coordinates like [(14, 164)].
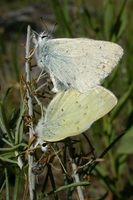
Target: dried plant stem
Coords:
[(75, 174), (32, 190)]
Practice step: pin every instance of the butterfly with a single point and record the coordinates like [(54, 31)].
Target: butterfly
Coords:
[(71, 113), (80, 63)]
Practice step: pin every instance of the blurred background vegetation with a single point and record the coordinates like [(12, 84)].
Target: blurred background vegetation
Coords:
[(110, 20)]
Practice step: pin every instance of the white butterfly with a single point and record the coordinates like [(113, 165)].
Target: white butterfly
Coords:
[(71, 113), (80, 63)]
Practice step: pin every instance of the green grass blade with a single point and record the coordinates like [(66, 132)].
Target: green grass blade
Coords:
[(16, 187), (108, 19), (122, 101), (60, 16), (19, 126), (93, 24), (81, 183), (120, 23), (7, 185), (4, 124)]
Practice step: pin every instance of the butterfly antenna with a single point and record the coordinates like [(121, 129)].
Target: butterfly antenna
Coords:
[(44, 24), (53, 28)]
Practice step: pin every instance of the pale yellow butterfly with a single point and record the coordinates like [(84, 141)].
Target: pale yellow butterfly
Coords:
[(71, 113)]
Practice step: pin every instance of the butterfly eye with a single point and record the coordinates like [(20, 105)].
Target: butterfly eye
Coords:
[(44, 144), (44, 36)]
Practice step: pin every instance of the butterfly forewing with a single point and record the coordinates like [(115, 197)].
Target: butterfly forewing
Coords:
[(75, 112), (80, 63)]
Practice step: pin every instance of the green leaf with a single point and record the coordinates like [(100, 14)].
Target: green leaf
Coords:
[(108, 19), (8, 160), (121, 103), (8, 157), (120, 163), (3, 120), (16, 188), (6, 94), (7, 185), (62, 17), (9, 154), (25, 170), (126, 144), (123, 20), (82, 17), (20, 125), (3, 123), (93, 24), (120, 23), (81, 183), (2, 186), (14, 147)]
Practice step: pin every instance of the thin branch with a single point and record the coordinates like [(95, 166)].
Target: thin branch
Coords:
[(107, 149), (74, 167), (30, 106)]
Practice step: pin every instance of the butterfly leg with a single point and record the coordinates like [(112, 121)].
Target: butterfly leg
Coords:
[(40, 104), (40, 75), (58, 85)]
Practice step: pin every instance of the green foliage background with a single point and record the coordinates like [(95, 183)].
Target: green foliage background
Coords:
[(104, 20)]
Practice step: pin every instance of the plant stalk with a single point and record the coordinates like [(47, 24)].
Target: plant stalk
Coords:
[(32, 190)]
